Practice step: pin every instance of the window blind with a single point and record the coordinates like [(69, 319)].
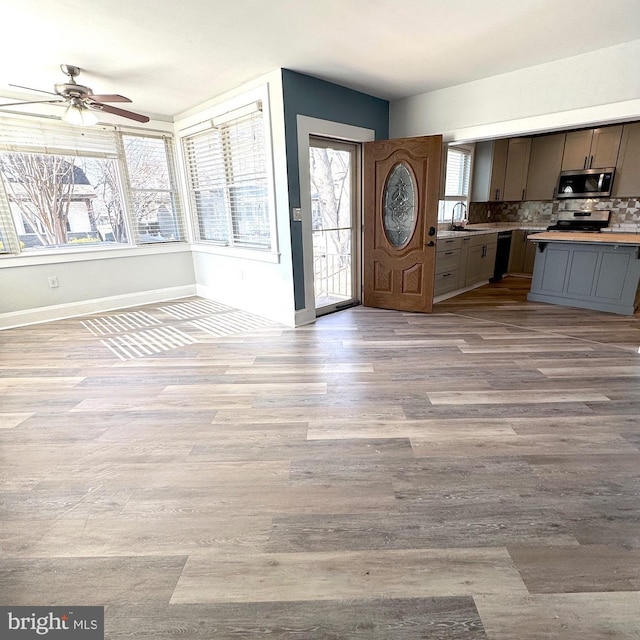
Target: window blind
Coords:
[(458, 170), (228, 182), (31, 136)]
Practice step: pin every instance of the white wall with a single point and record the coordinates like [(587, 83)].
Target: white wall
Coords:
[(260, 283), (597, 87), (90, 284)]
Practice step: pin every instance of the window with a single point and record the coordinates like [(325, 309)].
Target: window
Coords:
[(152, 188), (456, 188), (228, 181), (67, 187)]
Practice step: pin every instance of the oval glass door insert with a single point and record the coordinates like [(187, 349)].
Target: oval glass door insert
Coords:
[(399, 206)]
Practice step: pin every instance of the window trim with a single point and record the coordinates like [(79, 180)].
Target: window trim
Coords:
[(174, 190), (220, 114), (469, 149)]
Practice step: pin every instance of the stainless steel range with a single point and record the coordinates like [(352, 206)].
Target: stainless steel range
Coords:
[(592, 221)]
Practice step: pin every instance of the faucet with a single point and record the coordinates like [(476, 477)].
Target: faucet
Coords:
[(461, 221)]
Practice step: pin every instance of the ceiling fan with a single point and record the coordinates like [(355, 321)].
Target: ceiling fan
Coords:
[(80, 101)]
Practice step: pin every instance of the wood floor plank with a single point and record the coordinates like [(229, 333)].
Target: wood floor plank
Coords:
[(105, 535), (347, 574), (11, 420), (485, 525), (583, 616), (576, 569), (445, 618), (516, 397), (89, 581)]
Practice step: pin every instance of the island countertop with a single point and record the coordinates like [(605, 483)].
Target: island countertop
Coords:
[(595, 238)]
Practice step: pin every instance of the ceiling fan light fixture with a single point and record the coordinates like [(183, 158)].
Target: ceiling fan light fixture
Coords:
[(79, 115)]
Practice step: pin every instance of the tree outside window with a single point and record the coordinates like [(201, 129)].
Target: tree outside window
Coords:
[(56, 200)]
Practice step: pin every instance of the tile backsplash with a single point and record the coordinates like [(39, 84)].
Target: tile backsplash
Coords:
[(625, 212)]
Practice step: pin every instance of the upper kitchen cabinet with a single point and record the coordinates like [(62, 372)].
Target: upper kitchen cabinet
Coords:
[(591, 148), (489, 169), (545, 162), (626, 182), (515, 178)]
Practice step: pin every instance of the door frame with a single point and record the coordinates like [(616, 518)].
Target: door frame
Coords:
[(307, 127), (354, 149)]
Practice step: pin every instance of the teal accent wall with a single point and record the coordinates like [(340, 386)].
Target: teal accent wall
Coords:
[(309, 96)]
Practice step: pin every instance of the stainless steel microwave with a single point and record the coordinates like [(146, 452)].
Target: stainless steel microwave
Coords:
[(585, 183)]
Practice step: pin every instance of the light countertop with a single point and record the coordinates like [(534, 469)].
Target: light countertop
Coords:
[(594, 238), (490, 227)]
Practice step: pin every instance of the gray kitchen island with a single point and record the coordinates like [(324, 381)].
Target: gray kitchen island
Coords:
[(599, 271)]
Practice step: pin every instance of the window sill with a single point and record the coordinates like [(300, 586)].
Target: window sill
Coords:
[(237, 252), (83, 255)]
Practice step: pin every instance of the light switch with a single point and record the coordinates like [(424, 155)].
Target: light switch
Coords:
[(297, 214)]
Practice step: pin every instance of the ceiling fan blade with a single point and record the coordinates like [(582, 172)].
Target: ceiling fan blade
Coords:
[(117, 111), (18, 86), (13, 104), (108, 97)]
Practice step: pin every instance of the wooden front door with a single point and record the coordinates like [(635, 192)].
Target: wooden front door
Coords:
[(400, 217)]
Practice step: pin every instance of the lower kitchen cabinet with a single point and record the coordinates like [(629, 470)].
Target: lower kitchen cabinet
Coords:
[(596, 276), (447, 265), (464, 261), (523, 252), (481, 259)]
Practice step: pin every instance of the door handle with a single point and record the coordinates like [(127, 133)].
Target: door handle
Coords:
[(431, 243), (591, 163)]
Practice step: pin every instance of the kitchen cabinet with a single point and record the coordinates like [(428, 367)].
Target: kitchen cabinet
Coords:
[(464, 261), (481, 258), (489, 169), (447, 273), (515, 178), (598, 276), (626, 182), (523, 252), (591, 148), (545, 162)]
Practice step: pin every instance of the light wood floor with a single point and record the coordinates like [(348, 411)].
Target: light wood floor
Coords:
[(473, 473)]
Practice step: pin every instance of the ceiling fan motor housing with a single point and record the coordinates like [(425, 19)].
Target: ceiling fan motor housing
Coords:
[(72, 90)]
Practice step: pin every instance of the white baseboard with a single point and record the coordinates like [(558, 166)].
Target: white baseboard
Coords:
[(99, 305), (457, 292), (305, 316)]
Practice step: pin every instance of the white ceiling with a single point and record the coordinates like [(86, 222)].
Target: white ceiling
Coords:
[(171, 55)]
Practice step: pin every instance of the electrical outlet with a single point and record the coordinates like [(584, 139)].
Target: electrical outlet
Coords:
[(53, 282)]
